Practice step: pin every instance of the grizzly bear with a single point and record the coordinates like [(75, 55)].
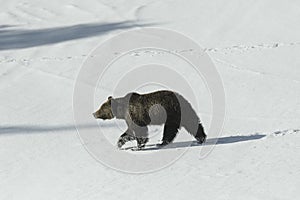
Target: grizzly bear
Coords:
[(156, 108)]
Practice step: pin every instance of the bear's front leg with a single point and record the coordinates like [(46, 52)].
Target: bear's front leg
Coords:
[(141, 142), (141, 134), (125, 137)]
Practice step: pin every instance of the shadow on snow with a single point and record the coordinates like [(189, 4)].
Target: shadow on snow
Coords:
[(30, 129), (25, 38), (210, 141)]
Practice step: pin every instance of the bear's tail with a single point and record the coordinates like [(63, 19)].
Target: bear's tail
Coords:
[(190, 121)]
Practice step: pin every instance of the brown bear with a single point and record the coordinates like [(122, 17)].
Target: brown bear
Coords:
[(156, 108)]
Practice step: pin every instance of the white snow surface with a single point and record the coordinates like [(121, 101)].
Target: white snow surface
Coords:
[(255, 47)]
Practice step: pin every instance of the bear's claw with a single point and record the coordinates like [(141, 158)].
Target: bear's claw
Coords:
[(201, 140)]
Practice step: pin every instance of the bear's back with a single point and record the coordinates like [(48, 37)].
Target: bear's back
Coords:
[(154, 107)]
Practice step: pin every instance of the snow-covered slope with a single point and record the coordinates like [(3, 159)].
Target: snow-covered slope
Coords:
[(255, 46)]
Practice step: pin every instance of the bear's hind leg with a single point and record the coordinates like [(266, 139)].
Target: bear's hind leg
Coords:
[(200, 135), (125, 137)]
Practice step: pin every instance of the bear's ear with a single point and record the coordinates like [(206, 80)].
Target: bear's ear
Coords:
[(109, 100)]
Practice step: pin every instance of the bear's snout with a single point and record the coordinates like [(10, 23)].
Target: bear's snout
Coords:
[(103, 116), (95, 115)]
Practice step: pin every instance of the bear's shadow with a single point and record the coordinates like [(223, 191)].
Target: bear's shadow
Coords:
[(210, 141)]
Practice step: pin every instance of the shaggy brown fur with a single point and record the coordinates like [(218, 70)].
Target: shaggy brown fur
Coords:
[(161, 107)]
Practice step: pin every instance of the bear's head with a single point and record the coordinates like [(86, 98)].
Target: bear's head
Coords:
[(105, 110)]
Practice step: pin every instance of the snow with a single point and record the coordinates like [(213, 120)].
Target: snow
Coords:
[(255, 47)]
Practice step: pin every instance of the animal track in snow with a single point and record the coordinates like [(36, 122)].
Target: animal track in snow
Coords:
[(245, 48)]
